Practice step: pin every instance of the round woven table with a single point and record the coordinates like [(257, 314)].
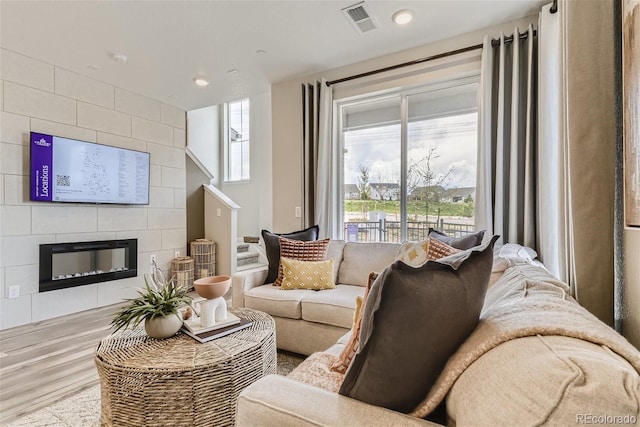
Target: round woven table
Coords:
[(179, 381)]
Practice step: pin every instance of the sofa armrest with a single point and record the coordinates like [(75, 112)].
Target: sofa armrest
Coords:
[(245, 280), (279, 401)]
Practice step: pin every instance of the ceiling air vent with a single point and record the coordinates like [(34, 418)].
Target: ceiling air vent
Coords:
[(360, 17)]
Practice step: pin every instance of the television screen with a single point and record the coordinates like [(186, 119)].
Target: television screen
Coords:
[(68, 170)]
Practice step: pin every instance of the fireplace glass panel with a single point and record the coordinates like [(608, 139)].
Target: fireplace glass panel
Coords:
[(88, 263)]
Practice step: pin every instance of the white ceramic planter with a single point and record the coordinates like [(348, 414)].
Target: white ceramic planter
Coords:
[(163, 327)]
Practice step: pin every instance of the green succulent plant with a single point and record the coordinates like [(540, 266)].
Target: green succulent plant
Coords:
[(156, 299)]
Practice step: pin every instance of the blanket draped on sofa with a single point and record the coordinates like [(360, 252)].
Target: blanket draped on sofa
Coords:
[(526, 301)]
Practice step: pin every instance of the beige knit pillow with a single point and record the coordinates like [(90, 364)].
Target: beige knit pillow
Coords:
[(313, 250)]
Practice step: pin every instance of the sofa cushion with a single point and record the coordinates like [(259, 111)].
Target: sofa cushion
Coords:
[(332, 306), (545, 380), (313, 250), (334, 251), (360, 259), (414, 320), (272, 247), (275, 301), (463, 242), (314, 275)]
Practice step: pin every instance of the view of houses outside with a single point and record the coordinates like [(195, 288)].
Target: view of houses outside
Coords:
[(440, 181)]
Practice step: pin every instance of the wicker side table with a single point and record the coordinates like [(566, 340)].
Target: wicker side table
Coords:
[(179, 381)]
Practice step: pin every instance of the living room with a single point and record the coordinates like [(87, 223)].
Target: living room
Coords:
[(46, 89)]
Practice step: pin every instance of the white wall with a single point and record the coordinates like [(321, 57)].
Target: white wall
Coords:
[(255, 196), (204, 139), (286, 107), (631, 297), (37, 96)]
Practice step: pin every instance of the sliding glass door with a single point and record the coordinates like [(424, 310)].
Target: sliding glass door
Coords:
[(409, 162)]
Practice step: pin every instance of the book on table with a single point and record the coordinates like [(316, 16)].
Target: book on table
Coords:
[(193, 324), (211, 334)]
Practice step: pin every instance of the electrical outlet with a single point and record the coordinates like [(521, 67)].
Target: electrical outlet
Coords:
[(298, 211), (176, 254), (14, 291), (218, 212)]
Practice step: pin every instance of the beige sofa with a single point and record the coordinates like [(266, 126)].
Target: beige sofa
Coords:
[(536, 357), (309, 321)]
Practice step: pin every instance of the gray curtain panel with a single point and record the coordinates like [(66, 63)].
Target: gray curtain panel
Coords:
[(506, 155)]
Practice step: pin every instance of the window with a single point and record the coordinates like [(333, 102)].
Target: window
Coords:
[(409, 163), (237, 141)]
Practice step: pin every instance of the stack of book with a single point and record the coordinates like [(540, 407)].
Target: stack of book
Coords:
[(195, 330)]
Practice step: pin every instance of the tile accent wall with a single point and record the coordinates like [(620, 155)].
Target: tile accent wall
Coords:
[(40, 97)]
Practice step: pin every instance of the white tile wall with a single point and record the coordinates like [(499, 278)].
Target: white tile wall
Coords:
[(172, 177), (173, 116), (173, 239), (83, 88), (59, 129), (25, 276), (152, 131), (121, 218), (26, 71), (14, 159), (161, 197), (16, 220), (35, 96), (163, 155), (15, 312), (121, 141), (45, 305), (99, 118), (52, 219), (37, 103), (12, 128), (16, 189), (179, 138), (167, 218), (137, 105)]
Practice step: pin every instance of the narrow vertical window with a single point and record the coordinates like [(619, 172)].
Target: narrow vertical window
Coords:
[(237, 141)]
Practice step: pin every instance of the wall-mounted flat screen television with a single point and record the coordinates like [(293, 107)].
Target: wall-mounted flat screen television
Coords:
[(68, 170)]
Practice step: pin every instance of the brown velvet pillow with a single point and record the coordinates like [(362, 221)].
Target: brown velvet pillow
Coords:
[(272, 247), (463, 242), (414, 319)]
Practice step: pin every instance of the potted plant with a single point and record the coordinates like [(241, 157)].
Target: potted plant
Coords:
[(157, 305)]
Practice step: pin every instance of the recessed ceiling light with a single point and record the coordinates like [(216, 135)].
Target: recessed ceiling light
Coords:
[(119, 57), (201, 81), (402, 17), (261, 52), (232, 72)]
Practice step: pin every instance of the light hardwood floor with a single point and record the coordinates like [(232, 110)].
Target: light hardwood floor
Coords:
[(45, 362)]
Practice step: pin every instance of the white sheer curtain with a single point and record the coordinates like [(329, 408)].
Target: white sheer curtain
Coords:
[(320, 159), (505, 196), (554, 215)]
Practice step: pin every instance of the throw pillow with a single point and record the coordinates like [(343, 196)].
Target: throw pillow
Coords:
[(315, 275), (272, 247), (414, 319), (417, 253), (464, 242), (315, 250), (349, 351)]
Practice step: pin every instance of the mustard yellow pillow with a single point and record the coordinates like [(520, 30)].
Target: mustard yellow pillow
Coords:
[(307, 274)]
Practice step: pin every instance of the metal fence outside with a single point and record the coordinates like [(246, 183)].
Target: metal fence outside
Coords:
[(389, 231)]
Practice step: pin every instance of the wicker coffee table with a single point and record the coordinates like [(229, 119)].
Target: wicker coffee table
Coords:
[(179, 381)]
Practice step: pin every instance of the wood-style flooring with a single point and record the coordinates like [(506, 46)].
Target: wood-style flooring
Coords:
[(45, 362)]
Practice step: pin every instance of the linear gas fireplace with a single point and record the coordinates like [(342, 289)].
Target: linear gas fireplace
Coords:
[(64, 265)]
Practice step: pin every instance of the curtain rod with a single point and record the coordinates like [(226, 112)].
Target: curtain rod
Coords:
[(494, 43)]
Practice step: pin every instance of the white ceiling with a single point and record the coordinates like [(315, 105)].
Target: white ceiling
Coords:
[(168, 43)]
